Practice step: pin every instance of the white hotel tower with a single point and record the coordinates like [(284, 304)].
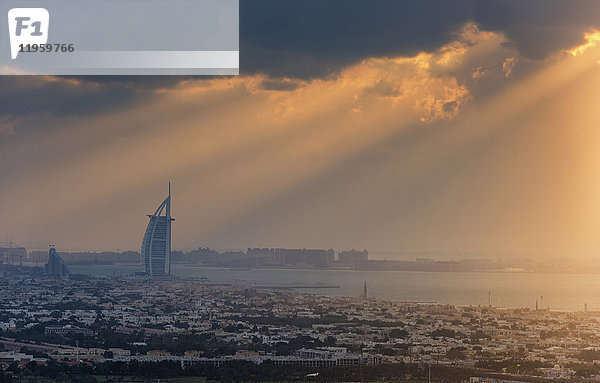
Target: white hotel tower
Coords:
[(156, 246)]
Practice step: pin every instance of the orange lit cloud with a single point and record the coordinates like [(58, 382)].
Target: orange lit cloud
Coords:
[(592, 39), (508, 65), (479, 72), (8, 123)]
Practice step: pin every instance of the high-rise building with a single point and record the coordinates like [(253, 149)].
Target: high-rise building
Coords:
[(13, 255), (56, 265), (353, 258), (156, 245)]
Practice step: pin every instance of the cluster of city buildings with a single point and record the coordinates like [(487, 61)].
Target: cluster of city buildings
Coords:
[(67, 318), (157, 255), (260, 325), (321, 357)]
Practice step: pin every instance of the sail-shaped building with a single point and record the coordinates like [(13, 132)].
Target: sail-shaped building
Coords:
[(56, 266), (156, 245)]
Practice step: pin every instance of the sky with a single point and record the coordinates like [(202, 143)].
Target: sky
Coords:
[(464, 127)]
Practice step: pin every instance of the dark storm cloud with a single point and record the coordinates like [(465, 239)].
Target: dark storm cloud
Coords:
[(61, 96), (30, 95), (308, 38), (279, 84), (539, 28), (305, 39)]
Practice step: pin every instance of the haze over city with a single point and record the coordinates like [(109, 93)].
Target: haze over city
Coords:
[(300, 191), (463, 127)]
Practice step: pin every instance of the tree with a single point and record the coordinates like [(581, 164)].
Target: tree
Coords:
[(14, 368), (447, 333), (56, 314), (398, 333), (5, 378), (456, 353)]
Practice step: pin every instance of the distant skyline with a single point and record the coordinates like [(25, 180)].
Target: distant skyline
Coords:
[(426, 127)]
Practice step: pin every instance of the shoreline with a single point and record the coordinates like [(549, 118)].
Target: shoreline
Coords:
[(228, 268)]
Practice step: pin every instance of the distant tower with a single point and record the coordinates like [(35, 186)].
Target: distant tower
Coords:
[(365, 296), (156, 245), (536, 305), (541, 302), (56, 265)]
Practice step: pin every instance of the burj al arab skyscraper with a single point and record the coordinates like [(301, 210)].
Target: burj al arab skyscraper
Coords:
[(156, 246)]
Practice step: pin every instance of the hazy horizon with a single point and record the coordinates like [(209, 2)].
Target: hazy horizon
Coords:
[(478, 136)]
